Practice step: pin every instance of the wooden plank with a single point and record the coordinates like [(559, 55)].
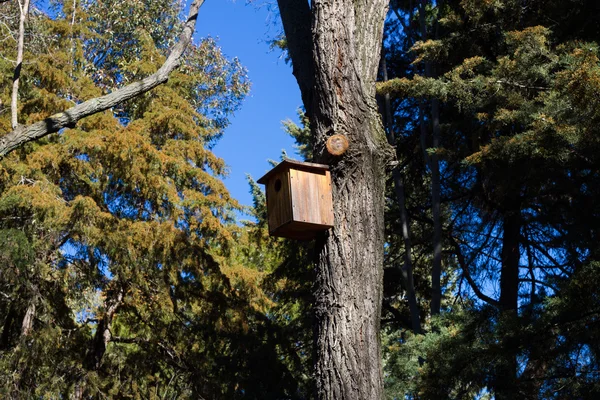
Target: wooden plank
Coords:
[(311, 197), (279, 202)]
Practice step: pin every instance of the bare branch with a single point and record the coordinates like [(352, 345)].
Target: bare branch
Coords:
[(69, 118), (534, 282), (23, 11), (27, 324), (521, 86)]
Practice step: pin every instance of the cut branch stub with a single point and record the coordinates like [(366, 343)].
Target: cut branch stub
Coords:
[(337, 145)]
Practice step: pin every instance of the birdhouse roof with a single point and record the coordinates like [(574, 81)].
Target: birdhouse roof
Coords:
[(293, 164)]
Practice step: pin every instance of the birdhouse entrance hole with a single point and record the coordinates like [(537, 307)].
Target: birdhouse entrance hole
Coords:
[(299, 201)]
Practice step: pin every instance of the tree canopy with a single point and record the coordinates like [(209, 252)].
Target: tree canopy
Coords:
[(464, 261), (119, 278)]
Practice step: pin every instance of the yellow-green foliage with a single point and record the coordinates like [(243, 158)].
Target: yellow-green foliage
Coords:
[(130, 201)]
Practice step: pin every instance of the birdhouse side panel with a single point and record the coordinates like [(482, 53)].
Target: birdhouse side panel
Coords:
[(279, 202), (311, 197)]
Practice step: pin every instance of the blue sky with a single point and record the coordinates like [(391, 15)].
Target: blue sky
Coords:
[(255, 134)]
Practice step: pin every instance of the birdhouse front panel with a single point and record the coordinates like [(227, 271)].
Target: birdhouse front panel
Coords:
[(311, 197), (279, 201), (299, 200)]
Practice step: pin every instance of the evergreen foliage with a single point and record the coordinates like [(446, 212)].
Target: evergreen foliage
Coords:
[(124, 273), (517, 162)]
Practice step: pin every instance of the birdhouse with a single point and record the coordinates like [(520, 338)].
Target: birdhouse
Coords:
[(299, 202)]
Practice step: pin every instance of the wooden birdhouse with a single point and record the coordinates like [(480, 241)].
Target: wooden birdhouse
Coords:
[(299, 202)]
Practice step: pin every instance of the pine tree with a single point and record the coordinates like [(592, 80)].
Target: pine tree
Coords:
[(515, 160)]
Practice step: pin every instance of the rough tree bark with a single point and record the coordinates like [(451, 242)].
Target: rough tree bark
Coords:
[(334, 46), (23, 134)]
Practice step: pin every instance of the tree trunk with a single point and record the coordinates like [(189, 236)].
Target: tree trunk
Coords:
[(407, 270), (339, 96), (6, 330), (348, 294), (434, 165), (95, 354), (511, 256), (436, 270), (534, 375), (506, 374)]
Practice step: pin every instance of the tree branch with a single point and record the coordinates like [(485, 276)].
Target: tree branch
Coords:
[(521, 86), (27, 324), (23, 11), (428, 87), (69, 118), (467, 274)]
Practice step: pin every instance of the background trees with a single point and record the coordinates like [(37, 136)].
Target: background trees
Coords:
[(118, 275), (126, 273), (511, 163)]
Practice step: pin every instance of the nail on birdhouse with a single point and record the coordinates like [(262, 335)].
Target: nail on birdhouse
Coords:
[(299, 201)]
